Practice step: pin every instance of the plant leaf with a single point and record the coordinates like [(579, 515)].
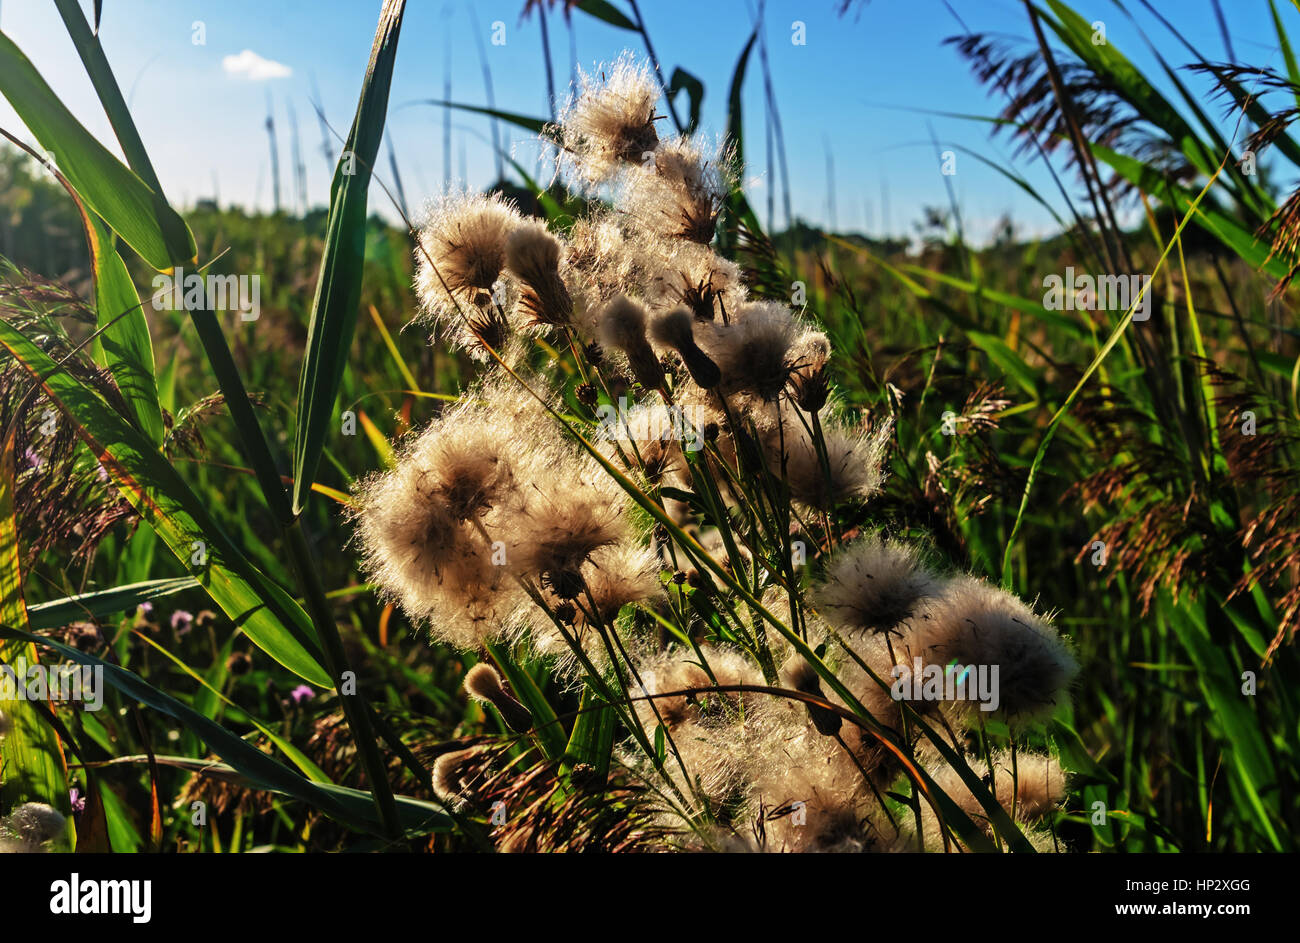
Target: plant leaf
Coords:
[(274, 622), (105, 602), (113, 191), (32, 767), (606, 12), (338, 292)]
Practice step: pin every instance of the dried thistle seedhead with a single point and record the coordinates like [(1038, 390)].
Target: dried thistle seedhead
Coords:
[(973, 623), (682, 194), (619, 576), (419, 523), (460, 257), (692, 275), (607, 261), (874, 586), (454, 775), (853, 469), (484, 685), (1032, 787), (799, 674), (623, 327), (754, 352), (609, 124), (32, 827), (533, 256), (808, 358), (675, 329)]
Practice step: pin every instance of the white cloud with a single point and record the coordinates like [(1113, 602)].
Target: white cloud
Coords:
[(254, 68)]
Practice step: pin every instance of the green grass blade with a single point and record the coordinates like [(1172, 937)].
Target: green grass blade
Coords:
[(119, 116), (350, 806), (124, 344), (1106, 348), (105, 603), (606, 12), (269, 616), (535, 125), (338, 291)]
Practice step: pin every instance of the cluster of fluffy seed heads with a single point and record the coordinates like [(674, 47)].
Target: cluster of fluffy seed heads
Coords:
[(460, 258), (496, 525)]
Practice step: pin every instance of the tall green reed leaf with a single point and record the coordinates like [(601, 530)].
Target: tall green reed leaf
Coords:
[(338, 290), (269, 616)]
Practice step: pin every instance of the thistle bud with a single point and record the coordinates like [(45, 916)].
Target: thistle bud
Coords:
[(483, 684), (675, 329), (623, 325), (801, 676)]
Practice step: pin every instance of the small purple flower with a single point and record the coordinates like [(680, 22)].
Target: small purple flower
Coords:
[(77, 799), (32, 458), (182, 622), (302, 693), (144, 609)]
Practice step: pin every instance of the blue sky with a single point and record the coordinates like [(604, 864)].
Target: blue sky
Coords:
[(856, 89)]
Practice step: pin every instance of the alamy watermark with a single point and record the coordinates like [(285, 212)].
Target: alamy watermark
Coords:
[(1083, 292), (23, 682), (198, 292), (673, 423), (953, 682)]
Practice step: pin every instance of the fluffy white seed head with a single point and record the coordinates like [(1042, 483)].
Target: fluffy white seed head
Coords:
[(875, 585), (609, 124)]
